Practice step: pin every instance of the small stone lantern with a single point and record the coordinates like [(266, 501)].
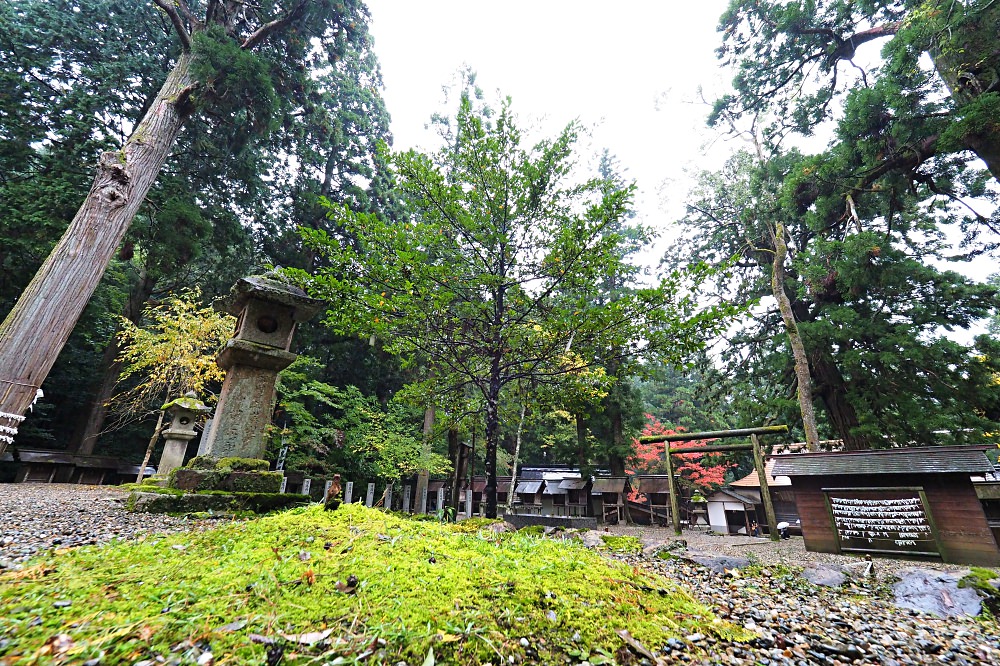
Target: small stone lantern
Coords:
[(268, 310), (184, 414)]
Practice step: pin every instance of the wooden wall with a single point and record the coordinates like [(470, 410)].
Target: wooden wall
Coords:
[(963, 533)]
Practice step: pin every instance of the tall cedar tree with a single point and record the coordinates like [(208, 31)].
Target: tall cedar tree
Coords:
[(233, 62), (495, 269), (866, 218), (871, 306)]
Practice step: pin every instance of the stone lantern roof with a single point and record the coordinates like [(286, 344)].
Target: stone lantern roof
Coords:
[(271, 287)]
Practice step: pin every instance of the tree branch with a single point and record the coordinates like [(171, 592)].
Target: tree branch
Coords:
[(264, 31), (171, 10)]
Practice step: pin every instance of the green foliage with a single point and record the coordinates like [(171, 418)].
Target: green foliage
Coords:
[(420, 587), (495, 276), (77, 76), (174, 354), (329, 429), (233, 80), (869, 298)]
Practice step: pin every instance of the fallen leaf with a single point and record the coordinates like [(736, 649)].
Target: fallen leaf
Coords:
[(263, 640), (309, 638), (636, 645), (429, 660), (309, 577), (235, 625), (349, 586)]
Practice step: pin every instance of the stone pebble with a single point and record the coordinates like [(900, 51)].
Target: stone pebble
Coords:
[(37, 517), (796, 622)]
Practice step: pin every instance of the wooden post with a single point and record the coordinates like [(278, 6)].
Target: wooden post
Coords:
[(765, 492), (675, 508)]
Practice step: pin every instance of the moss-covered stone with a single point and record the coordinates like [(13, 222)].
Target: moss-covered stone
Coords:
[(197, 479), (253, 482), (243, 464), (202, 462), (231, 474), (188, 503)]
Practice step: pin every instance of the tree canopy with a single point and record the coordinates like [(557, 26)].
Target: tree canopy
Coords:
[(493, 274)]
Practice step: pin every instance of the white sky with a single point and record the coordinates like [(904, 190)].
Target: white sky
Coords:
[(630, 70)]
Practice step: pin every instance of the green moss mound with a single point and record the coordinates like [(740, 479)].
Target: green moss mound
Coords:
[(532, 530), (328, 585), (622, 544)]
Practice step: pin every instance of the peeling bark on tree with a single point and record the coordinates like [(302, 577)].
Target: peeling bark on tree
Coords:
[(802, 375), (41, 321)]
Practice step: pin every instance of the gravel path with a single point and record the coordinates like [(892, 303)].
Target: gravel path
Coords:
[(35, 517), (800, 623), (796, 622), (789, 552)]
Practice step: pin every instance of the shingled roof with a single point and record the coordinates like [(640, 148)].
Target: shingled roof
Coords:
[(916, 460)]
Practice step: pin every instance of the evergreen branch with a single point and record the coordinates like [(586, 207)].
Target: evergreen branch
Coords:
[(278, 24), (170, 7)]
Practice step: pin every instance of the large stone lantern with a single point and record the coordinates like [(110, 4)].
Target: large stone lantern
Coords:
[(268, 310), (184, 414)]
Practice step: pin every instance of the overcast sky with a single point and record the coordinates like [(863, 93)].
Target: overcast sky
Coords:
[(630, 70)]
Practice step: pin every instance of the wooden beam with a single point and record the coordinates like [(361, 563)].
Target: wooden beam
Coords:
[(675, 511), (718, 448), (716, 434), (765, 491)]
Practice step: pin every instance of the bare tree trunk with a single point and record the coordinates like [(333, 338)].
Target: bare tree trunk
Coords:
[(152, 442), (517, 457), (149, 448), (423, 476), (802, 374), (91, 422), (38, 326)]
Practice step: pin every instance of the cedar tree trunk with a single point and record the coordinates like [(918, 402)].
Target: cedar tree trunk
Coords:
[(35, 331)]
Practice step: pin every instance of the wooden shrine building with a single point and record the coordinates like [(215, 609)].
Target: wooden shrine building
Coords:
[(916, 502)]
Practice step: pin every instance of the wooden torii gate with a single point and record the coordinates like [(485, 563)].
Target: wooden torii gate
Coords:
[(758, 462)]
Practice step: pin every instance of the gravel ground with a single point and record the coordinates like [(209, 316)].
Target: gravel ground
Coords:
[(788, 552), (798, 622), (794, 621), (40, 516)]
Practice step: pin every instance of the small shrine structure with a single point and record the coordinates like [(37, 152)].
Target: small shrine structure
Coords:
[(918, 502)]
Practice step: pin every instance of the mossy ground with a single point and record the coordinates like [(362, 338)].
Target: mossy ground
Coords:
[(469, 597)]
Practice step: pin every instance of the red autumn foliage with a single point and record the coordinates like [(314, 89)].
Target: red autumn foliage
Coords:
[(704, 471)]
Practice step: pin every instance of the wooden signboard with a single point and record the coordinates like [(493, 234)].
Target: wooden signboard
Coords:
[(882, 520)]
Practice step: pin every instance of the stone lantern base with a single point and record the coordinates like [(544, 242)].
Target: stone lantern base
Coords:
[(217, 485)]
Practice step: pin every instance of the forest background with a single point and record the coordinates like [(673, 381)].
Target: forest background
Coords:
[(878, 220)]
